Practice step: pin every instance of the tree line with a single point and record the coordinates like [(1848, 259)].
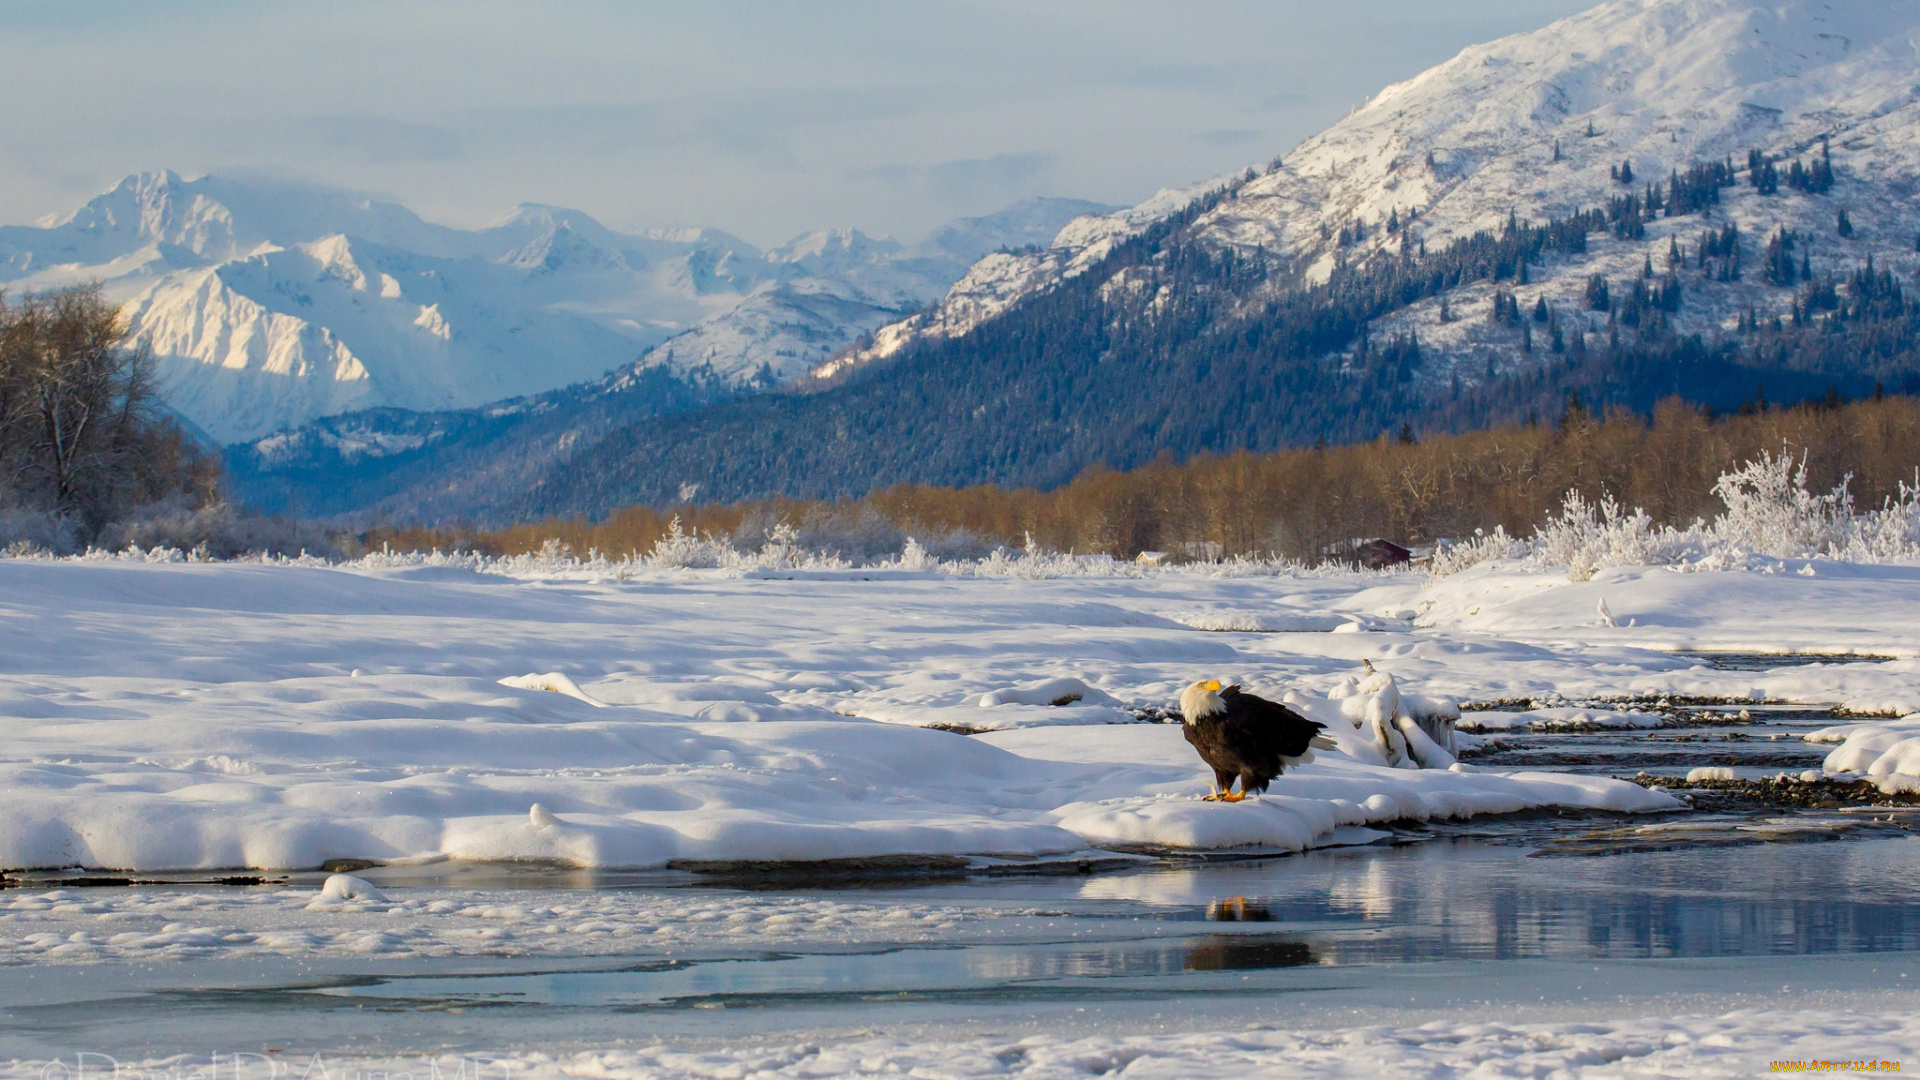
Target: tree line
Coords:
[(1313, 504)]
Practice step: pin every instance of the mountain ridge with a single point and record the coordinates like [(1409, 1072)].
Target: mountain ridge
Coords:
[(1441, 257)]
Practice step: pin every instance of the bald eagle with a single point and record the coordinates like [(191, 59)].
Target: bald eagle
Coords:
[(1246, 736)]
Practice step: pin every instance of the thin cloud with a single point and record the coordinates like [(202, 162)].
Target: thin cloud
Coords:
[(1228, 136), (380, 140), (969, 180)]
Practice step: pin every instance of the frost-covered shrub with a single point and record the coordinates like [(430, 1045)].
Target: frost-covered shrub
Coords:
[(1769, 513), (1891, 532), (1263, 566), (859, 534), (218, 531), (1455, 556), (25, 533), (1586, 537), (782, 550), (953, 545), (915, 557), (681, 550)]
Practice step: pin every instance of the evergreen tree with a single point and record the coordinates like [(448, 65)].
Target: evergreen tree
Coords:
[(1575, 413), (1597, 298), (1780, 267)]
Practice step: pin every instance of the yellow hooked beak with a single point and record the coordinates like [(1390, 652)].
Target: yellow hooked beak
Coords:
[(1212, 685)]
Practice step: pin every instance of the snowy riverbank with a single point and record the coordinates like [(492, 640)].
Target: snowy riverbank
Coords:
[(195, 715)]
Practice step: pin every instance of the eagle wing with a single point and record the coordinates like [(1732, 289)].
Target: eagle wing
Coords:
[(1267, 729)]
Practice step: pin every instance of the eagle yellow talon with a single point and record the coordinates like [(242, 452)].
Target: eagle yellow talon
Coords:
[(1231, 796), (1212, 796)]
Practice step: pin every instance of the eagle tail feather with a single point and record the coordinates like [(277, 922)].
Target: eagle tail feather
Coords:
[(1323, 742)]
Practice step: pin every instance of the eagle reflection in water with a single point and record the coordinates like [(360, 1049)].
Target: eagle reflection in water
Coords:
[(1245, 952), (1236, 953)]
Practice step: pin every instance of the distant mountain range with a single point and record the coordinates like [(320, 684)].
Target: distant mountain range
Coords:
[(270, 305)]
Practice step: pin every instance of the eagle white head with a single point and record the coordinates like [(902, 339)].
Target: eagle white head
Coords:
[(1201, 699)]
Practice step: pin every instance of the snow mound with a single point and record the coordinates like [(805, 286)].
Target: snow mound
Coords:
[(1886, 752), (1054, 692), (1710, 772), (553, 682), (1263, 821), (341, 890), (1377, 724), (1052, 703)]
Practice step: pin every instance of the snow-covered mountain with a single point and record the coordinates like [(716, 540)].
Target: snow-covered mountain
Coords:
[(269, 305), (1653, 198), (838, 285), (1538, 125)]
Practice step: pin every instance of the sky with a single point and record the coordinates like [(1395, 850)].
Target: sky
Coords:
[(766, 119)]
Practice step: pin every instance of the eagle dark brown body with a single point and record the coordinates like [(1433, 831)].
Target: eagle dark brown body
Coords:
[(1246, 737)]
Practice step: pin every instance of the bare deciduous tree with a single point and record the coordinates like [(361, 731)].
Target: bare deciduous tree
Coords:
[(79, 435)]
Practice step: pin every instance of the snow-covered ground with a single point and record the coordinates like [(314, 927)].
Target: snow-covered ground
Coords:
[(1737, 1044), (1743, 1043), (190, 715), (67, 926)]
